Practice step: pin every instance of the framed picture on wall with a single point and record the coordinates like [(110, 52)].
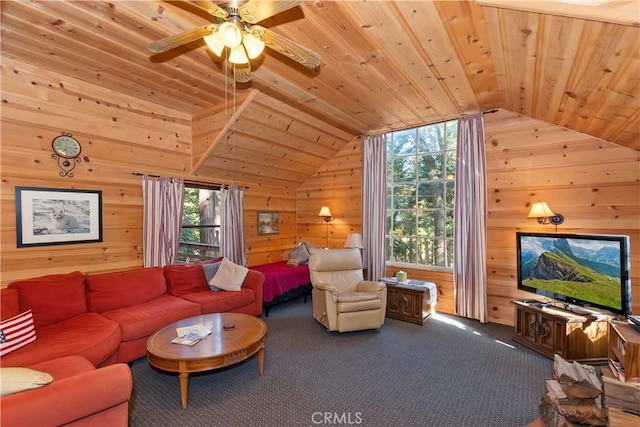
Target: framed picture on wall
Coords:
[(268, 222), (53, 216)]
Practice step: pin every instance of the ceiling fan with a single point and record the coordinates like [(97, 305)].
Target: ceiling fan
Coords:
[(235, 28)]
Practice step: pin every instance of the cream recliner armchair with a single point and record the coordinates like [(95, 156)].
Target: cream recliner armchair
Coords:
[(342, 300)]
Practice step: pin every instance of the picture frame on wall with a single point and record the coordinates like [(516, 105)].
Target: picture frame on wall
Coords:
[(268, 223), (54, 216)]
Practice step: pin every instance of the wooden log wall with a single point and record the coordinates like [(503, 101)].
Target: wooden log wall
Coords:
[(120, 135)]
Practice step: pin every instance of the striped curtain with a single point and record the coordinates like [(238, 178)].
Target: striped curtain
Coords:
[(470, 221), (163, 201), (232, 225), (374, 199)]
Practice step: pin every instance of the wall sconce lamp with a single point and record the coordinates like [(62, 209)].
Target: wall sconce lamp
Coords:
[(544, 215), (325, 213)]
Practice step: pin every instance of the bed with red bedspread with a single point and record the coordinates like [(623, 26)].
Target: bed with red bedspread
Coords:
[(283, 283)]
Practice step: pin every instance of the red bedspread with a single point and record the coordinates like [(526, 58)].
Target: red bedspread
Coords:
[(279, 278)]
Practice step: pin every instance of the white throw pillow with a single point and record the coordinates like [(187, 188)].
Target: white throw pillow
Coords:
[(230, 276), (13, 380)]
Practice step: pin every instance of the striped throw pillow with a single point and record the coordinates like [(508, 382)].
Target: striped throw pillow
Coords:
[(16, 332)]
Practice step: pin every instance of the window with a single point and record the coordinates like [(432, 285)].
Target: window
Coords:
[(200, 234), (421, 166)]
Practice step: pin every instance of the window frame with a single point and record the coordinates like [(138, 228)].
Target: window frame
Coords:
[(187, 258), (444, 175)]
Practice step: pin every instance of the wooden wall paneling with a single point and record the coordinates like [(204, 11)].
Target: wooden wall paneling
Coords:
[(119, 135), (597, 195), (274, 247), (336, 184)]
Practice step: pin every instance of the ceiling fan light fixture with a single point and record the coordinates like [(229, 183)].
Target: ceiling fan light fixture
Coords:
[(215, 43), (231, 34), (238, 55), (253, 44)]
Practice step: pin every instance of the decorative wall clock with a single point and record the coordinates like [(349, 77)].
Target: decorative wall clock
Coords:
[(66, 150)]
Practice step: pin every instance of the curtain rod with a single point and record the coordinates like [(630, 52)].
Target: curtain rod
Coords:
[(495, 110), (192, 183)]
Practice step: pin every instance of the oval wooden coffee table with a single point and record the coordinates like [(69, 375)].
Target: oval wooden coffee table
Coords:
[(224, 347)]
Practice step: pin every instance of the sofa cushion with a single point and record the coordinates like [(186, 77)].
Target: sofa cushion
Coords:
[(52, 298), (110, 291), (222, 301), (9, 305), (15, 379), (88, 334), (229, 276), (184, 278), (144, 319), (16, 332)]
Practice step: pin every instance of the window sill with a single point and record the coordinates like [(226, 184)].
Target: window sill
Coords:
[(418, 267)]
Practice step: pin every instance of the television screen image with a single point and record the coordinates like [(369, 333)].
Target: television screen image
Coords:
[(580, 269)]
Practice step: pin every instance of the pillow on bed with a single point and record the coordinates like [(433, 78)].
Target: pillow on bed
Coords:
[(293, 262), (300, 253)]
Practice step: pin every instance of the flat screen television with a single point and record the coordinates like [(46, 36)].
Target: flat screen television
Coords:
[(586, 270)]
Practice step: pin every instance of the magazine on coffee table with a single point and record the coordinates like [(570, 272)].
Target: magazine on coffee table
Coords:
[(191, 335)]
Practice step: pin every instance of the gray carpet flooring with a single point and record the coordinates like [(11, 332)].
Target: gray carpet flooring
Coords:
[(450, 372)]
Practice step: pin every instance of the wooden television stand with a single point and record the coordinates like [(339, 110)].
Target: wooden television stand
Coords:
[(548, 330)]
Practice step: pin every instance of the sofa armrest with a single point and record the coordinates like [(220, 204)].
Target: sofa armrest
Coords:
[(255, 282), (68, 399)]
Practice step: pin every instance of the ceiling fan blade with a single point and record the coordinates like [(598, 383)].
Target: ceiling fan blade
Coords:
[(176, 40), (256, 11), (242, 73), (287, 47), (211, 8)]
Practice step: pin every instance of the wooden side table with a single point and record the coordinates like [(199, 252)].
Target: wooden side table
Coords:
[(412, 301)]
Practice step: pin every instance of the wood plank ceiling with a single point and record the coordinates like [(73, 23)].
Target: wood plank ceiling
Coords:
[(385, 65)]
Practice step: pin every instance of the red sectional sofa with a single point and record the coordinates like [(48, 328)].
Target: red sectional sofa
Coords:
[(99, 320), (80, 395), (108, 317)]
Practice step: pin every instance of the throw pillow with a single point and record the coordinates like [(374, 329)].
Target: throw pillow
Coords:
[(230, 276), (293, 262), (301, 253), (13, 380), (210, 270), (16, 332)]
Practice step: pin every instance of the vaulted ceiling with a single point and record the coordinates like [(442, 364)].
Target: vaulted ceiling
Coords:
[(385, 64)]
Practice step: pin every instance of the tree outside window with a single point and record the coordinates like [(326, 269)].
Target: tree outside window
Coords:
[(420, 195), (200, 234)]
